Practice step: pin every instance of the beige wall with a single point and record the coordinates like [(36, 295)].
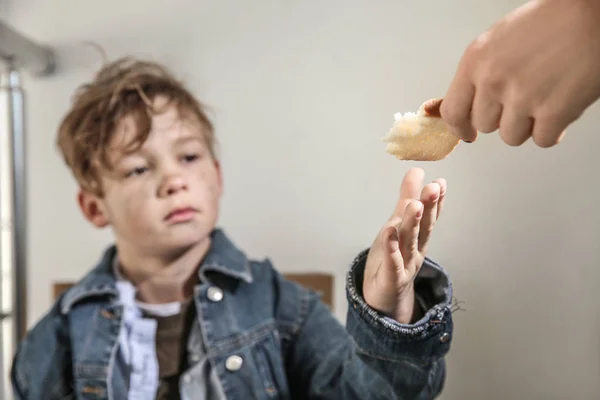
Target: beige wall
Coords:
[(302, 92)]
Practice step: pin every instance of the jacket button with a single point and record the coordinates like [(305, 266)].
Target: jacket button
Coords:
[(445, 337), (233, 363), (215, 294)]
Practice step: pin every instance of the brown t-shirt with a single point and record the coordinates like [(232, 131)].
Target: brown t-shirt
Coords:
[(171, 349)]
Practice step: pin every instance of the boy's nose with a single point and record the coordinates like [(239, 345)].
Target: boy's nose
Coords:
[(171, 185)]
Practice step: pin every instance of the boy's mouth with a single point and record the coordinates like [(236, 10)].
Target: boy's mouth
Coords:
[(181, 214)]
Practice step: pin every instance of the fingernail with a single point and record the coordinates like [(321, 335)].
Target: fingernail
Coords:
[(420, 212), (468, 141), (434, 196)]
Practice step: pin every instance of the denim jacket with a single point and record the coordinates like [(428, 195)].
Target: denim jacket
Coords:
[(287, 343)]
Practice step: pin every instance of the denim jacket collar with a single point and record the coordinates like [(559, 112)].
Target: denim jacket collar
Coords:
[(223, 258)]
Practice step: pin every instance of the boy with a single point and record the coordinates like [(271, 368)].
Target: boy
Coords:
[(174, 310)]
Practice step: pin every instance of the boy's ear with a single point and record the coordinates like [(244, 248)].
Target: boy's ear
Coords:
[(92, 208)]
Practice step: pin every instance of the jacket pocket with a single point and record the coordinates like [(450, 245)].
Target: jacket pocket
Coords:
[(271, 367), (90, 381), (254, 368)]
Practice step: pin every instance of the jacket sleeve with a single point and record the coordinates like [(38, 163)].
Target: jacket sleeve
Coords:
[(374, 357)]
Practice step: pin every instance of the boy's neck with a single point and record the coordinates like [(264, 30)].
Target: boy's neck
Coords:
[(161, 280)]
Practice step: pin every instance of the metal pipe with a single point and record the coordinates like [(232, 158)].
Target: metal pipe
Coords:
[(19, 53), (19, 204), (6, 323), (24, 53), (16, 52)]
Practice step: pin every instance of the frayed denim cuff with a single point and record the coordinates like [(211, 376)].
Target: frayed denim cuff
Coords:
[(380, 336)]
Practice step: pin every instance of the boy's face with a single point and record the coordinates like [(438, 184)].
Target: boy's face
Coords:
[(164, 197)]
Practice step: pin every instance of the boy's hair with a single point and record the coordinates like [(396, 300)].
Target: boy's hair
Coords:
[(123, 88)]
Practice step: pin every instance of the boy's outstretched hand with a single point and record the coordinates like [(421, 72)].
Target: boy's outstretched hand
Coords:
[(399, 250)]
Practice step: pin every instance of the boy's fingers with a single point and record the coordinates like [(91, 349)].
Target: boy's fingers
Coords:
[(391, 262), (410, 189), (443, 189), (412, 183), (390, 239), (429, 197), (409, 233)]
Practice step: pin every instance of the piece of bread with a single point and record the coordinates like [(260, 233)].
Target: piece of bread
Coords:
[(421, 136)]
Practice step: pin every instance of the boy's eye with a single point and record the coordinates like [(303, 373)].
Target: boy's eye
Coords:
[(137, 171), (190, 157)]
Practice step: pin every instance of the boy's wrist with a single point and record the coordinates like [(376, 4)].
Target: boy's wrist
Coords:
[(408, 308)]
